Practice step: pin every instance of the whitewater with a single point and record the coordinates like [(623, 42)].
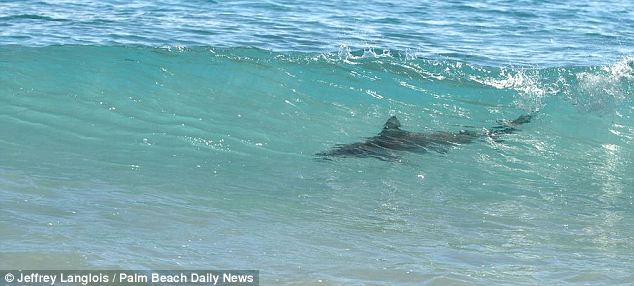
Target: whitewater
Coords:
[(183, 134)]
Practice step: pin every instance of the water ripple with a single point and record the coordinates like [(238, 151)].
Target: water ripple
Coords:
[(571, 32)]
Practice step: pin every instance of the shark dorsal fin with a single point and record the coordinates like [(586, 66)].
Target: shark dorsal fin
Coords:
[(392, 123)]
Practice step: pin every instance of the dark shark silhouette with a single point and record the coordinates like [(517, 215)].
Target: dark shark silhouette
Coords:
[(392, 138)]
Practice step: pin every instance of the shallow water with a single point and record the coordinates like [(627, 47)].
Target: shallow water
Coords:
[(200, 154), (203, 158)]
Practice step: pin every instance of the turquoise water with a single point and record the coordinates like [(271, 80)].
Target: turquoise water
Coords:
[(169, 148)]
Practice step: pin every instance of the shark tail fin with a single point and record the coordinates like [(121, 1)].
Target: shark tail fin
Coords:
[(509, 126), (522, 119), (392, 123)]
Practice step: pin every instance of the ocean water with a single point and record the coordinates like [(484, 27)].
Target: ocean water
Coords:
[(182, 134)]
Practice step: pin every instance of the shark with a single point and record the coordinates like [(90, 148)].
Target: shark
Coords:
[(392, 139)]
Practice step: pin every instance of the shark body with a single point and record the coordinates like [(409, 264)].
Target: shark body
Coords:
[(393, 139)]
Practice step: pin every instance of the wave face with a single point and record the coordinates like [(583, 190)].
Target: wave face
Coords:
[(491, 32), (136, 157)]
